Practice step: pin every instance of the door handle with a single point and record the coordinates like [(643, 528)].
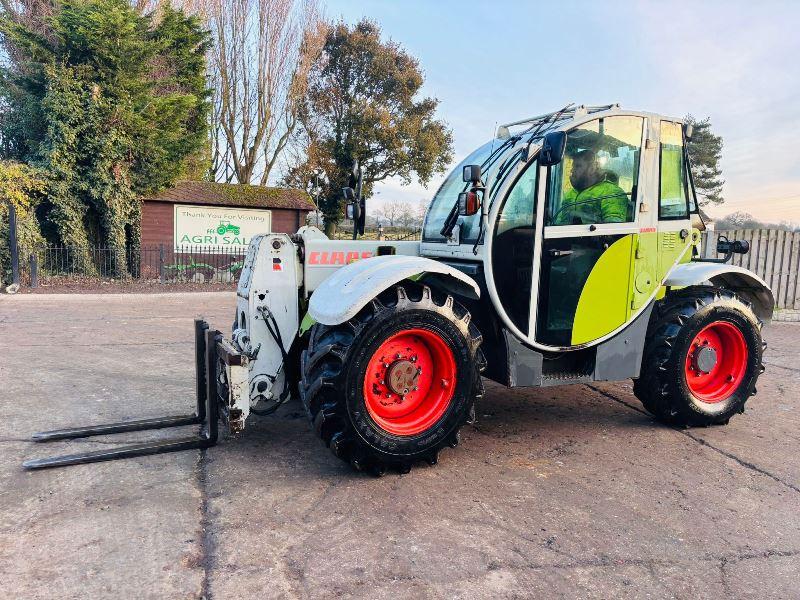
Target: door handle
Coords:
[(559, 252)]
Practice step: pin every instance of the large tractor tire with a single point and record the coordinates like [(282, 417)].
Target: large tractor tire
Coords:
[(394, 384), (702, 357)]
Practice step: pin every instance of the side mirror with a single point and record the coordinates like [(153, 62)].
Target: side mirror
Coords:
[(471, 174), (350, 212), (688, 130), (349, 194), (554, 145), (468, 204)]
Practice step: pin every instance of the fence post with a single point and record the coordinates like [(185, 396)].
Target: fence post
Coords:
[(33, 260), (161, 262), (12, 242)]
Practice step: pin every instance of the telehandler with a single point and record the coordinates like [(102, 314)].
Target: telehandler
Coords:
[(564, 251)]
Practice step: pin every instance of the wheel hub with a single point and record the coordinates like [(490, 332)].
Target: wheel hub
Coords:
[(407, 381), (716, 362), (704, 359), (401, 376)]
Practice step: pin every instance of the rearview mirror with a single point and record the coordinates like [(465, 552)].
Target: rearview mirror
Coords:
[(349, 194), (688, 130), (471, 174), (468, 204), (554, 145)]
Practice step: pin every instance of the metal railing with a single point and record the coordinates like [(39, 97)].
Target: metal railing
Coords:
[(167, 264)]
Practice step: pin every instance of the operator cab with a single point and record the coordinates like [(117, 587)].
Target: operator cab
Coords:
[(572, 249)]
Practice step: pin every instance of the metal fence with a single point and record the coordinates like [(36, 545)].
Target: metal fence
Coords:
[(774, 256), (164, 263)]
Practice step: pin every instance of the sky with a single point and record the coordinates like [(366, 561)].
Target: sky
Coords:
[(494, 62)]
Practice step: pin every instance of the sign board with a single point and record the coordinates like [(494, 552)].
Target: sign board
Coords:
[(211, 227)]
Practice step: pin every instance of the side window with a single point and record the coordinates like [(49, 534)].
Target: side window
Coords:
[(672, 183), (596, 181), (512, 247), (518, 209)]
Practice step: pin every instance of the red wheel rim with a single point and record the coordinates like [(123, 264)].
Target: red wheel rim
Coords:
[(409, 382), (716, 362)]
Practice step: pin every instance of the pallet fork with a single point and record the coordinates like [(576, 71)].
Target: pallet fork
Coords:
[(207, 350)]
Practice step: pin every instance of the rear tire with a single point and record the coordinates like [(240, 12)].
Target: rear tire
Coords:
[(375, 422), (702, 357)]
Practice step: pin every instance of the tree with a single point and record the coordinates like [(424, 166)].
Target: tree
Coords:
[(362, 106), (389, 213), (743, 220), (422, 208), (111, 105), (705, 152), (259, 67), (24, 187), (405, 215)]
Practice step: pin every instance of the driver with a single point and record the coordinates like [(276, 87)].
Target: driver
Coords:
[(595, 197)]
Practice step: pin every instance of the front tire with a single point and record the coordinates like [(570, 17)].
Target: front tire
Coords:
[(702, 358), (395, 383)]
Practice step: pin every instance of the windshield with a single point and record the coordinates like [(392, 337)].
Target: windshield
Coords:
[(448, 192)]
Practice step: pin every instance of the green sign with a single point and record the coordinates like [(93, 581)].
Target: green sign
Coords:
[(210, 227)]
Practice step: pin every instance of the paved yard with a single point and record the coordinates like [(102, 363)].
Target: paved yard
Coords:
[(570, 492)]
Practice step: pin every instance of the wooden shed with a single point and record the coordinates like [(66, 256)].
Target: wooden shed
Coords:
[(219, 215)]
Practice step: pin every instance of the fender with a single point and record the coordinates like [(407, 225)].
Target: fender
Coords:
[(349, 289), (737, 279)]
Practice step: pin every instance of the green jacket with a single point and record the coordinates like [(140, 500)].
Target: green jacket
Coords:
[(604, 202)]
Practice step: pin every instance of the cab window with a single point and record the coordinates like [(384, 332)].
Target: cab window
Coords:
[(512, 247), (672, 179), (596, 181)]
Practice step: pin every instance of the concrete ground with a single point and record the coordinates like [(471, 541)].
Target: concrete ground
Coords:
[(560, 492)]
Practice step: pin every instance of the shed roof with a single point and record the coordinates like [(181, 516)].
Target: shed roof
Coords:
[(232, 194)]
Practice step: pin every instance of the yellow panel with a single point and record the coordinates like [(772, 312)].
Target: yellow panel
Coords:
[(605, 300)]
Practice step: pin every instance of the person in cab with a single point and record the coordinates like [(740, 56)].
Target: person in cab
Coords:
[(595, 196)]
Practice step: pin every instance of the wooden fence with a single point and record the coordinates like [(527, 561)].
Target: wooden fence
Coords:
[(774, 256)]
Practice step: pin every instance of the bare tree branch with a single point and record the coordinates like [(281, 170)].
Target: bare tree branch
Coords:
[(263, 52)]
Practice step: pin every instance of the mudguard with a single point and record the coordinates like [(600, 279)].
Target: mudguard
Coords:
[(737, 279), (350, 288)]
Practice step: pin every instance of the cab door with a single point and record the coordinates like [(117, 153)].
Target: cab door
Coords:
[(513, 243), (588, 242)]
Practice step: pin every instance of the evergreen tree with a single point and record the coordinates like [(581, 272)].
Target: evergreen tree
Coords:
[(705, 152), (111, 105)]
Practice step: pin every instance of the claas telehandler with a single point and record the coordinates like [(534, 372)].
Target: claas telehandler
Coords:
[(563, 251)]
